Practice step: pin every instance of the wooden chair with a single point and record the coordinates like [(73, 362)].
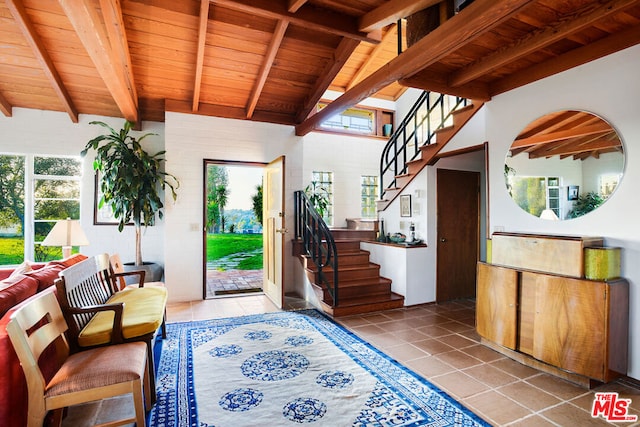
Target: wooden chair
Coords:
[(119, 275), (82, 377), (98, 314), (120, 283)]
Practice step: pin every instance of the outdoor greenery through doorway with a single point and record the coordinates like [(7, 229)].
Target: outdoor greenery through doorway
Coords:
[(233, 227)]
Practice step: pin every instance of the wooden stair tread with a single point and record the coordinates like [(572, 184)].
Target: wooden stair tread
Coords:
[(350, 306)]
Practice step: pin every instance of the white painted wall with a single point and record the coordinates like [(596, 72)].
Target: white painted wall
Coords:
[(610, 89), (192, 138), (348, 158)]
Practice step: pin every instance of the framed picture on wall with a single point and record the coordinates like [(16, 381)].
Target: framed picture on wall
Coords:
[(572, 192), (405, 205), (104, 215)]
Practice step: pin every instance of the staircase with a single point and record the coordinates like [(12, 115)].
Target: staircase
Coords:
[(430, 124), (361, 288), (344, 280)]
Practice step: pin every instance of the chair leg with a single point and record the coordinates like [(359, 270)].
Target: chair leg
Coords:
[(164, 325), (152, 370), (147, 388), (138, 402)]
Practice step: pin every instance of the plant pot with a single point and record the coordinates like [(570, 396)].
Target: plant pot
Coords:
[(153, 272)]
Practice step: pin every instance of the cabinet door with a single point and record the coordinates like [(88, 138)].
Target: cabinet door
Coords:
[(570, 324), (496, 307)]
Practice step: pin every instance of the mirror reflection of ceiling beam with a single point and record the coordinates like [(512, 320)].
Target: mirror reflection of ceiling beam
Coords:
[(607, 142), (26, 27), (560, 135)]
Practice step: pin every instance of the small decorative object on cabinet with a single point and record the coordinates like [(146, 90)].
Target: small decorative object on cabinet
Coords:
[(569, 326)]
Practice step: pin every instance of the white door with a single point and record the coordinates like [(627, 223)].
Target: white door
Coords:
[(274, 229)]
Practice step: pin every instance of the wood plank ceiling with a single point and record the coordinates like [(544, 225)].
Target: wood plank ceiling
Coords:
[(272, 60)]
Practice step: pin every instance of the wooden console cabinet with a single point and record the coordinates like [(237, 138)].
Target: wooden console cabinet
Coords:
[(571, 327)]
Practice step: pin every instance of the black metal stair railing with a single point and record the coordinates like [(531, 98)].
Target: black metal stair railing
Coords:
[(318, 243), (430, 112)]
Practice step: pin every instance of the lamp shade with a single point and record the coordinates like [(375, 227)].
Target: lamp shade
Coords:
[(66, 233), (549, 214)]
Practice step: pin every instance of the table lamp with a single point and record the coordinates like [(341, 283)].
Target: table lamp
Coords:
[(66, 233)]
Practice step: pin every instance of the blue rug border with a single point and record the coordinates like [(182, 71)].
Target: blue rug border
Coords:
[(157, 349)]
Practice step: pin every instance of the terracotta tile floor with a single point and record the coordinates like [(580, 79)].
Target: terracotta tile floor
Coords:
[(439, 342)]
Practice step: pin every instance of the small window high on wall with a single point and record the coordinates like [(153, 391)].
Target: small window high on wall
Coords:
[(364, 121)]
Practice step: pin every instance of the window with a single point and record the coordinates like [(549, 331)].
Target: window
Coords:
[(608, 183), (368, 196), (36, 191), (358, 120), (324, 181), (535, 194)]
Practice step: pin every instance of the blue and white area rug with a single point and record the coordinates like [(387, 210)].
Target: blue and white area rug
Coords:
[(287, 369)]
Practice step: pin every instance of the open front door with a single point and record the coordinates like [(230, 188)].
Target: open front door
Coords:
[(273, 229)]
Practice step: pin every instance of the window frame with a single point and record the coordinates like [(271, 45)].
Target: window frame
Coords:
[(381, 116), (29, 198)]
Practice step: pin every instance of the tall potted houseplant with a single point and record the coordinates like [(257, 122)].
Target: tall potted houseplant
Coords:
[(130, 179)]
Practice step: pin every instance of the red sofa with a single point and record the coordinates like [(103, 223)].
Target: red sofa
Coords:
[(14, 290)]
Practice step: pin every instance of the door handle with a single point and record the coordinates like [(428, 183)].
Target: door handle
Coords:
[(282, 230), (442, 239)]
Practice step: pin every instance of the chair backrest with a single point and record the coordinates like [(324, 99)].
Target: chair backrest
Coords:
[(117, 267), (84, 284), (31, 329)]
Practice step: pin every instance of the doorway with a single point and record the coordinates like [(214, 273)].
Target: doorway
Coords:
[(232, 218), (458, 225)]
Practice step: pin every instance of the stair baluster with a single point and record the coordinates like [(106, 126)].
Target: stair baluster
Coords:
[(317, 241), (424, 118)]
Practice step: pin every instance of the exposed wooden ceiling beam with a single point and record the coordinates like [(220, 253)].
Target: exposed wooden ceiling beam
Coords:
[(5, 106), (294, 5), (440, 83), (312, 18), (24, 23), (202, 37), (391, 32), (391, 11), (478, 18), (573, 58), (340, 57), (90, 27), (539, 39), (267, 63), (114, 23)]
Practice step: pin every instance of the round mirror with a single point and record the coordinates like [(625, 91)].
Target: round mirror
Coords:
[(564, 165)]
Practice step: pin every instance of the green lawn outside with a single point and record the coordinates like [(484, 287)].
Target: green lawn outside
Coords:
[(12, 251), (218, 246), (221, 245)]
